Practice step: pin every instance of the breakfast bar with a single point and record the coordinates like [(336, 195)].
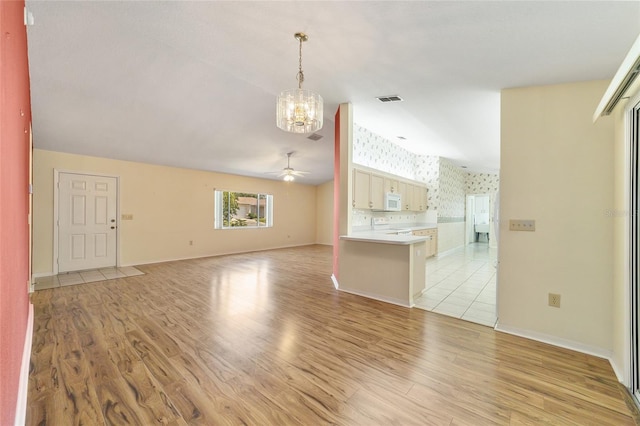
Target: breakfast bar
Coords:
[(386, 267)]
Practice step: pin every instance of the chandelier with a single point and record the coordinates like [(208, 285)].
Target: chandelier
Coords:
[(299, 110)]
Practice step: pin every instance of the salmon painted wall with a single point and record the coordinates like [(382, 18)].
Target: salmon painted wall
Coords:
[(15, 117)]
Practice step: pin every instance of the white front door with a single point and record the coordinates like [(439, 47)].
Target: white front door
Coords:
[(87, 223)]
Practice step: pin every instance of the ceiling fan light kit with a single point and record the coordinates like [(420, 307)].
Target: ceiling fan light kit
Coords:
[(288, 174), (299, 110)]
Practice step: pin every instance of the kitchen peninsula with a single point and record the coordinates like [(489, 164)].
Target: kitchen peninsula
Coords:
[(383, 265)]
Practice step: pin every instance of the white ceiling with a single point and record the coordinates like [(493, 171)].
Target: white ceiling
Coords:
[(193, 84)]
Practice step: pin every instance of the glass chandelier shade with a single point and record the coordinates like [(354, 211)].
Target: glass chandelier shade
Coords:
[(299, 110), (288, 178)]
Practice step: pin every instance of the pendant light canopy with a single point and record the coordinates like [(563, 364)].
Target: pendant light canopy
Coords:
[(299, 110)]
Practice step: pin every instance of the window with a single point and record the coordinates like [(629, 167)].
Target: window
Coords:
[(243, 210)]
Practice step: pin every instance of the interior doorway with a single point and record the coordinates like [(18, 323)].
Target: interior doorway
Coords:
[(86, 210), (479, 213)]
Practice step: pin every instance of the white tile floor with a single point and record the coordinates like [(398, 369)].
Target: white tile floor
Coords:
[(82, 277), (462, 284)]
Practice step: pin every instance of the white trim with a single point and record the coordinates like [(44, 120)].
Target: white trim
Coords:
[(175, 259), (23, 384), (620, 374), (56, 181), (555, 341), (625, 72), (335, 282), (41, 275), (624, 372), (377, 297)]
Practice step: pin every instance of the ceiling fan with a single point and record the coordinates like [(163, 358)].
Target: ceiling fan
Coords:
[(288, 173)]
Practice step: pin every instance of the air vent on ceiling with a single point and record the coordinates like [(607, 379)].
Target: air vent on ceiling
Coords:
[(314, 137), (391, 98)]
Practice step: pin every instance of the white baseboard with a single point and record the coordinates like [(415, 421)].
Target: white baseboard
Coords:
[(23, 386), (41, 275), (175, 259), (556, 341), (619, 372), (335, 282), (377, 297)]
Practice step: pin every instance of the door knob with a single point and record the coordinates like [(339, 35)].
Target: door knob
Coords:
[(113, 220), (113, 227)]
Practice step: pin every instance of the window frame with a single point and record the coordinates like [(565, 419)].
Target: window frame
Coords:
[(219, 221)]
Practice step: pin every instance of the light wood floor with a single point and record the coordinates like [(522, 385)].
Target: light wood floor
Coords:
[(264, 339)]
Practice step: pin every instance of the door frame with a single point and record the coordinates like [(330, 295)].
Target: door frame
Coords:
[(468, 229), (56, 195), (630, 365), (470, 235)]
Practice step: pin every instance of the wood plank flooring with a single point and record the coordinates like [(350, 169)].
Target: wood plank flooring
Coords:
[(264, 339)]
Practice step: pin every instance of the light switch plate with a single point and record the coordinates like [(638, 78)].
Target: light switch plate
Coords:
[(127, 216), (522, 225)]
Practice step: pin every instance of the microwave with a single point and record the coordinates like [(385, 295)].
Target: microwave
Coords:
[(392, 202)]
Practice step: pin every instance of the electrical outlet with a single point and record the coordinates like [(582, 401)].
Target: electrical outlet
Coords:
[(554, 300), (190, 242), (522, 225)]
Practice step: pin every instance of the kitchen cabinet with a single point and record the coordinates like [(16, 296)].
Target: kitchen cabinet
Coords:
[(377, 192), (370, 187), (361, 189), (390, 185), (419, 198), (403, 189), (432, 243), (368, 190)]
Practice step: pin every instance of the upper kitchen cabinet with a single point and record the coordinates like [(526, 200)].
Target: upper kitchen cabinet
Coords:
[(370, 187), (419, 198), (368, 190), (391, 185)]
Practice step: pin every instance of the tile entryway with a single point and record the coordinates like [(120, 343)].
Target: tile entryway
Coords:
[(82, 277), (462, 284)]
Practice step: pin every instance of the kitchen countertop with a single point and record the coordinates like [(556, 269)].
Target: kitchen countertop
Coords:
[(385, 235)]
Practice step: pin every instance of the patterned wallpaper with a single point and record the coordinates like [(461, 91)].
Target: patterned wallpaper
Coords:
[(447, 184), (428, 171), (482, 183), (374, 151), (371, 150), (452, 191)]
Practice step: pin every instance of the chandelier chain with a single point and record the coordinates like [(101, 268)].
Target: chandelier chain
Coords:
[(300, 76)]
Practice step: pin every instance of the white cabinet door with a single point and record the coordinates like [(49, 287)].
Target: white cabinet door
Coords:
[(86, 222), (361, 189), (377, 192)]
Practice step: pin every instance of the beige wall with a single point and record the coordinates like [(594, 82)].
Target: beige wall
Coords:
[(557, 168), (324, 223), (170, 207)]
